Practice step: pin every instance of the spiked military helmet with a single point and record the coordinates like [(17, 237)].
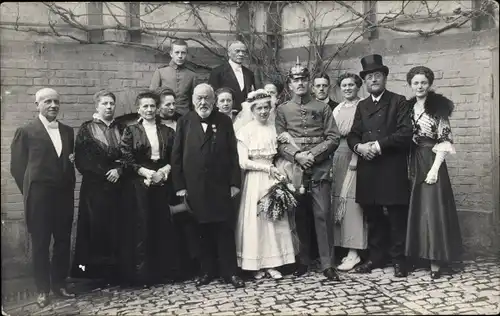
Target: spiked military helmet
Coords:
[(298, 71)]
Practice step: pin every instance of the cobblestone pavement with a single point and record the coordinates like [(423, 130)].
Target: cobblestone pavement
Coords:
[(473, 290)]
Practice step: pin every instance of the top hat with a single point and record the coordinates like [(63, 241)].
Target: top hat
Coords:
[(372, 63), (298, 71)]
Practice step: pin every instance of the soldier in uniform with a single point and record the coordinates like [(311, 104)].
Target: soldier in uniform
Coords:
[(177, 77), (314, 138)]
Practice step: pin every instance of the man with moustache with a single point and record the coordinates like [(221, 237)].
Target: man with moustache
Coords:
[(315, 138), (176, 76), (42, 166), (381, 134), (321, 89), (234, 75), (206, 172)]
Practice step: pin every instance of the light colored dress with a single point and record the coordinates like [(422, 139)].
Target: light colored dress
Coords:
[(260, 243), (351, 230)]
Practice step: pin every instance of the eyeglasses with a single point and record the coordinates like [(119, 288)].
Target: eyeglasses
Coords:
[(375, 75)]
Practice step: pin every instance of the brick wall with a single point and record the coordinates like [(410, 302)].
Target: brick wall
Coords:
[(463, 66), (76, 71), (462, 63)]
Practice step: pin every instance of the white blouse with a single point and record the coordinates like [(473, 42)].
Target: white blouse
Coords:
[(152, 135)]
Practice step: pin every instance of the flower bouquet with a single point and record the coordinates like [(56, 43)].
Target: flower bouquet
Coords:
[(279, 200)]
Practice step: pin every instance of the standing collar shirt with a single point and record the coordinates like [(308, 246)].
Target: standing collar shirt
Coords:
[(152, 135), (377, 99), (52, 129), (238, 71)]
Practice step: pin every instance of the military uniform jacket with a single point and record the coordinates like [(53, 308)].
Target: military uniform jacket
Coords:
[(384, 179), (311, 124)]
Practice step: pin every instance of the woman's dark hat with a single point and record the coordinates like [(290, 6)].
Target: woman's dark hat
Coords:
[(372, 63)]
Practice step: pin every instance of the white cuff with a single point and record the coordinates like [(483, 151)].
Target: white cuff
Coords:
[(445, 147), (377, 145)]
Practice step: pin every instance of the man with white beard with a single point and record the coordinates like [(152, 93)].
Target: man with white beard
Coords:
[(206, 173)]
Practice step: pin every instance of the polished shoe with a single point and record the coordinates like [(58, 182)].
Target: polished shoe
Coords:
[(366, 267), (236, 281), (43, 299), (62, 292), (301, 270), (436, 274), (331, 274), (204, 280), (400, 270)]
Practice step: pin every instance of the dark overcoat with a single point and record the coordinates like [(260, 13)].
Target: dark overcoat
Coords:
[(384, 179), (206, 165), (34, 159)]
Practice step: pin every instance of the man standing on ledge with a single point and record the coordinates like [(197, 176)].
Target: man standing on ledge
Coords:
[(42, 166), (177, 77), (315, 136), (234, 75), (381, 134)]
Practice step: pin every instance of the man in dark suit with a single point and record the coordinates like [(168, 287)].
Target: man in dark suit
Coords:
[(234, 75), (381, 134), (321, 88), (42, 166), (206, 171)]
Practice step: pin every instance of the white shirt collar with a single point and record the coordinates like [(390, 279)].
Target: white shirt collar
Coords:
[(379, 97), (234, 65), (46, 122)]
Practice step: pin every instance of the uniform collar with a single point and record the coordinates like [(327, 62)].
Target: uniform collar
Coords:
[(302, 99), (175, 66)]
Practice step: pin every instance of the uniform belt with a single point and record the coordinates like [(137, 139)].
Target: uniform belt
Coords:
[(307, 140)]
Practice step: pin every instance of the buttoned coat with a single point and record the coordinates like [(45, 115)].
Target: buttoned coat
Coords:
[(206, 165), (306, 117), (384, 179)]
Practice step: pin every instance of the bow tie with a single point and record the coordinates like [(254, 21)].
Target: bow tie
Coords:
[(53, 125), (204, 120)]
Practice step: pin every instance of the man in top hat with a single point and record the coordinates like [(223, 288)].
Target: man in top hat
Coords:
[(381, 134), (315, 136), (42, 166)]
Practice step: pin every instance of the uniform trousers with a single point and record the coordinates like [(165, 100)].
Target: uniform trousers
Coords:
[(318, 200)]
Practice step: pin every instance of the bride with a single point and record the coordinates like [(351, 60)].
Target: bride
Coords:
[(262, 245)]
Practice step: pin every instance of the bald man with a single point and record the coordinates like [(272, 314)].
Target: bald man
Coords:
[(234, 75), (42, 166)]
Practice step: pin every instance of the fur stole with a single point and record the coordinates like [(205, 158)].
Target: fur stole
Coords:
[(436, 105)]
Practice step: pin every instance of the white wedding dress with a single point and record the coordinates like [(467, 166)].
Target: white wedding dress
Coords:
[(260, 243)]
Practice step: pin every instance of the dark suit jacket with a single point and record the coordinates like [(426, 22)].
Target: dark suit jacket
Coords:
[(384, 179), (223, 76), (34, 159), (206, 165)]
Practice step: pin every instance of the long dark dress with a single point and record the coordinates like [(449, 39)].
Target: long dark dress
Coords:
[(96, 152), (433, 229), (148, 239)]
